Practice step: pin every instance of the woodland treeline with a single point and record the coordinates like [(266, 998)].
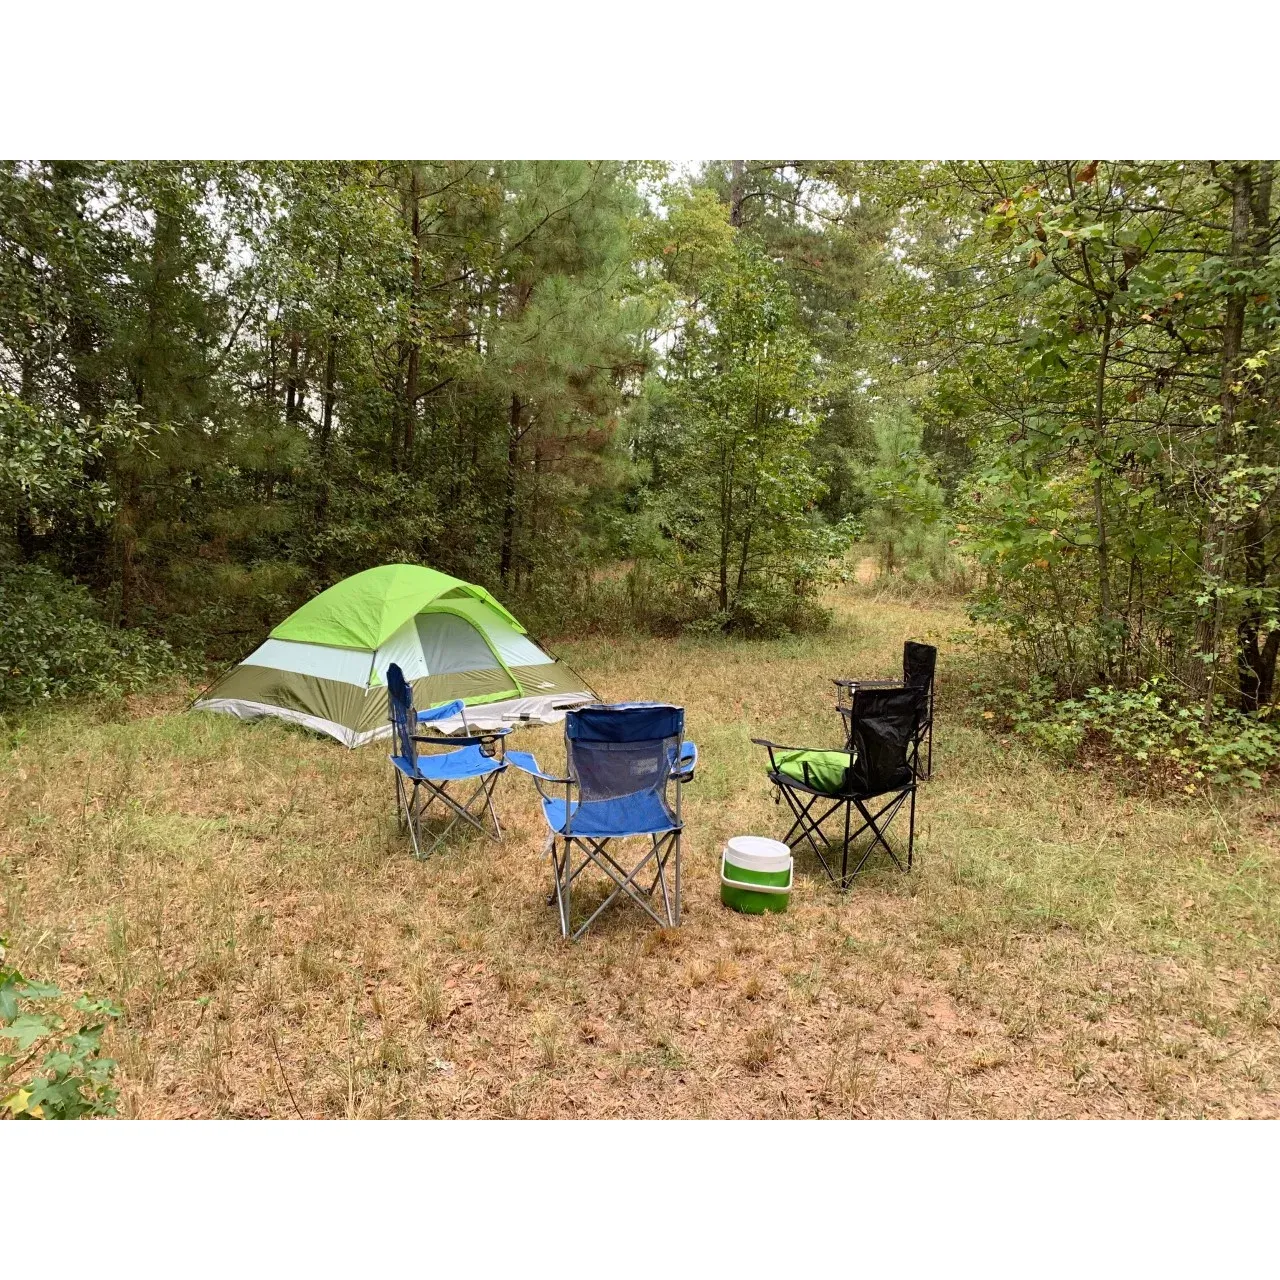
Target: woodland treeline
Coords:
[(619, 394)]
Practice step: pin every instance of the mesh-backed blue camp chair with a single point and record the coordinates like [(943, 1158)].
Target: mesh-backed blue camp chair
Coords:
[(421, 780), (619, 762), (878, 764)]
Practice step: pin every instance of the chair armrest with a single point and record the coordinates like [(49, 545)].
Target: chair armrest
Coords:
[(472, 735), (686, 764), (471, 740), (778, 746), (485, 741), (446, 709), (526, 762), (771, 747)]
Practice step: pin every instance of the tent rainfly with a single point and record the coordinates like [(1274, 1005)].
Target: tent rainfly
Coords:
[(325, 665)]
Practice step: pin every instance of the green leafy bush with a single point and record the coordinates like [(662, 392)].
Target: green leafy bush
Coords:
[(54, 643), (1146, 732), (47, 1070)]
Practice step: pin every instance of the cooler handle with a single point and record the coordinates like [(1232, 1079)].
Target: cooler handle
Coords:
[(756, 888)]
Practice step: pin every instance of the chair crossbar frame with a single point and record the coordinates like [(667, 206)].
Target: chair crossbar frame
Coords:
[(665, 847), (410, 808), (807, 829), (415, 793)]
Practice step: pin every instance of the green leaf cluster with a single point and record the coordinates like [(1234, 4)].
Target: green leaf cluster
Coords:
[(51, 1061)]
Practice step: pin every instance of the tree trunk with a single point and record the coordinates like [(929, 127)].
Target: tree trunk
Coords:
[(23, 529), (1213, 552), (92, 555), (330, 392), (737, 192), (272, 365), (726, 524), (293, 391), (742, 559), (509, 506), (1099, 506), (1256, 661), (415, 352), (331, 370), (126, 533)]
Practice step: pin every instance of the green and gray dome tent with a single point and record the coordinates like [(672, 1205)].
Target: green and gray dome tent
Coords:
[(325, 665)]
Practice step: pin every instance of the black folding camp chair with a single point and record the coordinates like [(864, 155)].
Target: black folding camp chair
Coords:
[(919, 662), (878, 764), (421, 780), (619, 762)]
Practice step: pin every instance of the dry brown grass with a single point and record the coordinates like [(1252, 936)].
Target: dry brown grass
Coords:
[(1059, 950)]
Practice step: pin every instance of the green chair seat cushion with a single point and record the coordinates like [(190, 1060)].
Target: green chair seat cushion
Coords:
[(826, 768)]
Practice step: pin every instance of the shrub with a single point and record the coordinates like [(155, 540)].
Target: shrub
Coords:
[(54, 642), (639, 596), (1145, 731), (52, 1072)]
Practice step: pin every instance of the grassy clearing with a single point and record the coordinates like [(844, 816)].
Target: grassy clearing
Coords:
[(1061, 949)]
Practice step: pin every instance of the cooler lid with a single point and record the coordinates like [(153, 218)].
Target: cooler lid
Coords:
[(757, 853)]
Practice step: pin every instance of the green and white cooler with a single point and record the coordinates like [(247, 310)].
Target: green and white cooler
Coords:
[(755, 874)]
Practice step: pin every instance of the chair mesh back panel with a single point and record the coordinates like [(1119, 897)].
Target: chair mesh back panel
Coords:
[(918, 663), (401, 699), (622, 750), (883, 730)]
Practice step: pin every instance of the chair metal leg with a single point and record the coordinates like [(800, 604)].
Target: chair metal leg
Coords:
[(810, 827), (595, 852), (844, 852), (806, 826), (911, 829), (662, 879), (877, 823), (679, 842), (413, 805), (468, 811), (488, 795), (561, 894), (401, 803), (415, 821), (877, 829)]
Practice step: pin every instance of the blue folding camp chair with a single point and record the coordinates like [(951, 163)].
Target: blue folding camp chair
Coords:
[(421, 780), (619, 761)]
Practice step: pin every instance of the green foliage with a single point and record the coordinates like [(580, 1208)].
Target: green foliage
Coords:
[(904, 511), (737, 536), (225, 385), (47, 462), (51, 1066), (1143, 733), (55, 644), (1100, 335)]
